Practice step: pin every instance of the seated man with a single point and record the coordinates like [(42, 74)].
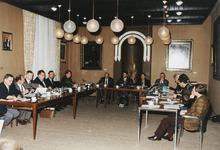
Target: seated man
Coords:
[(49, 81), (66, 80), (162, 81), (106, 81), (178, 88), (197, 109), (25, 115), (8, 91), (123, 82), (143, 82), (29, 83), (40, 79)]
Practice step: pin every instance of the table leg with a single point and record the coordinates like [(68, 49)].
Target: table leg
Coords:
[(97, 95), (140, 101), (74, 105), (111, 96), (175, 131), (105, 93), (139, 124), (34, 120), (146, 117)]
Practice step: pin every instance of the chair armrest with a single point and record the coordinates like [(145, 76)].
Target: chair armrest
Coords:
[(193, 117)]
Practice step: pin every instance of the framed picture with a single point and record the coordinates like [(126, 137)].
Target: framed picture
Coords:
[(179, 55), (91, 56), (216, 50), (7, 41), (63, 52)]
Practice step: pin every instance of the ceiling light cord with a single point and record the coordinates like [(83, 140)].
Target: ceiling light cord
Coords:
[(117, 7), (93, 10)]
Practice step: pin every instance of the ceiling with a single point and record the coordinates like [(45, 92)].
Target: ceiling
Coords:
[(193, 11)]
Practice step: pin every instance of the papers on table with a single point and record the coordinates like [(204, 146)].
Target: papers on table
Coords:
[(171, 107), (9, 100), (167, 96), (151, 106), (166, 102), (23, 99), (30, 95), (41, 90), (150, 96)]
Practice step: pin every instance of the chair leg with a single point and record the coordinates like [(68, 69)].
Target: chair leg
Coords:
[(16, 121), (179, 135), (201, 136), (12, 123)]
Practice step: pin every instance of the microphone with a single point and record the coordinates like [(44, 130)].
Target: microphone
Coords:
[(84, 80)]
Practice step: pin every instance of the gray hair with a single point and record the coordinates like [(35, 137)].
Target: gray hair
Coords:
[(176, 75)]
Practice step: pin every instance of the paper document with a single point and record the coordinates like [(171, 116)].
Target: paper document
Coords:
[(23, 99), (41, 90), (9, 100), (166, 102), (30, 95), (171, 107), (151, 106)]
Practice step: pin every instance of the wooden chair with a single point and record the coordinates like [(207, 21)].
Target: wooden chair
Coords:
[(202, 126), (16, 121)]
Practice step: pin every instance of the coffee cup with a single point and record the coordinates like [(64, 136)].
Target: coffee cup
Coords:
[(33, 99), (117, 86), (97, 85), (150, 103), (79, 89), (70, 90), (105, 85), (138, 87)]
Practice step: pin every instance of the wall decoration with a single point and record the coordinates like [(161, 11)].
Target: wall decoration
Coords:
[(63, 52), (7, 41), (179, 55), (91, 56), (216, 50)]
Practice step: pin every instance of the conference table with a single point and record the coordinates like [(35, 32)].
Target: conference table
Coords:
[(113, 89), (46, 102), (160, 109)]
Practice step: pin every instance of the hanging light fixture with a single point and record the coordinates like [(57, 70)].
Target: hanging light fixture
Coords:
[(115, 40), (92, 24), (84, 39), (117, 25), (179, 2), (148, 40), (77, 37), (59, 32), (132, 39), (68, 36), (99, 39), (69, 26)]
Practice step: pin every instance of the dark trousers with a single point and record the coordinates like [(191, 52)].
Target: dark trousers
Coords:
[(167, 125), (108, 94)]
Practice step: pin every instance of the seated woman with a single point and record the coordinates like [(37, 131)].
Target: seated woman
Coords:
[(197, 109)]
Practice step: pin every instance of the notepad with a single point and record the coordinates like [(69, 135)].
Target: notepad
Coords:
[(171, 107), (151, 106)]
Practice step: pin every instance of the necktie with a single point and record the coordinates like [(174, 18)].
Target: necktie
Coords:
[(43, 83)]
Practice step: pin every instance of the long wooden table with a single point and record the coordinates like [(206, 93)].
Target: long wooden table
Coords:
[(140, 91), (45, 102)]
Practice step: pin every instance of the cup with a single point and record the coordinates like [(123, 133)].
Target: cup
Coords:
[(48, 94), (105, 85), (70, 90), (33, 99), (79, 89), (138, 87), (97, 85), (150, 103), (117, 86)]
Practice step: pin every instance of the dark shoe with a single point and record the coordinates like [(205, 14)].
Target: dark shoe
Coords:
[(154, 138), (28, 120), (108, 102), (102, 101), (22, 122), (168, 138)]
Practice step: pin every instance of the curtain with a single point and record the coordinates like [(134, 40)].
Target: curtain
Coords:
[(44, 50), (29, 25), (57, 52)]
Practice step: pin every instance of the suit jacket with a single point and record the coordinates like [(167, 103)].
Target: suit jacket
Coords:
[(49, 83), (147, 82), (37, 80), (4, 93), (165, 82), (110, 81), (128, 81), (66, 82), (30, 85), (197, 109)]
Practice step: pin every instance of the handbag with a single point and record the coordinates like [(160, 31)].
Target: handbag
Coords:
[(48, 112)]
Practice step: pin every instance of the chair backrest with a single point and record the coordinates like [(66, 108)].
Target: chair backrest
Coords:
[(205, 118)]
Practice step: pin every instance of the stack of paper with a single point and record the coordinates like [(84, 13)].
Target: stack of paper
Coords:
[(150, 96), (23, 99), (171, 107), (166, 102), (151, 106)]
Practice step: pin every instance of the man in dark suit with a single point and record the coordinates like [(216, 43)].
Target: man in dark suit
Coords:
[(25, 115), (162, 81), (49, 81), (8, 91), (143, 82), (29, 83), (66, 80), (40, 79), (108, 82), (124, 81)]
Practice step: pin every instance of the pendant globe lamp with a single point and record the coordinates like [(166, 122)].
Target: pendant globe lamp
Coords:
[(69, 26), (99, 39), (132, 39), (84, 39), (115, 40), (117, 25), (68, 36), (92, 25), (59, 32), (148, 40), (77, 37)]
